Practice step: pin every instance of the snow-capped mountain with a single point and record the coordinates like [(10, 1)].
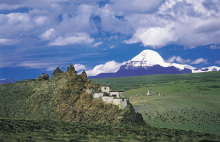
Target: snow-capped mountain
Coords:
[(7, 81), (149, 58), (150, 62)]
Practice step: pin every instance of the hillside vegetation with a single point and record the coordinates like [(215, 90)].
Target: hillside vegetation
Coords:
[(190, 101), (43, 130), (63, 97), (61, 109)]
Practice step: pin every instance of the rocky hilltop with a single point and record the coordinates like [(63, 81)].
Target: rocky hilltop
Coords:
[(63, 97)]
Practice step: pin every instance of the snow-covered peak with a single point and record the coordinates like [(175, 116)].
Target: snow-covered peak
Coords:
[(148, 58), (207, 69)]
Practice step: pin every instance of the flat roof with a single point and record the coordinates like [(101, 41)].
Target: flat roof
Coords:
[(116, 91), (106, 86)]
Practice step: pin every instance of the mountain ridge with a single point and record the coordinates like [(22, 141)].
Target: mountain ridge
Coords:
[(2, 81), (150, 62)]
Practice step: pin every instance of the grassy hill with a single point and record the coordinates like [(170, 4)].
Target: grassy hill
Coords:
[(59, 109), (190, 101)]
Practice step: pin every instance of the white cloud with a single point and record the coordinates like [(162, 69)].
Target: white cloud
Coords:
[(178, 59), (171, 59), (7, 41), (40, 20), (111, 47), (183, 22), (76, 39), (32, 64), (97, 44), (79, 67), (47, 35), (135, 6), (217, 62), (155, 37), (154, 23), (199, 61), (108, 67), (214, 47)]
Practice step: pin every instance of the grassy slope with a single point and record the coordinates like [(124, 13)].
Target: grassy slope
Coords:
[(191, 101), (32, 130)]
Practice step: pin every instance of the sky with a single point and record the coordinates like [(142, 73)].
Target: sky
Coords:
[(99, 35)]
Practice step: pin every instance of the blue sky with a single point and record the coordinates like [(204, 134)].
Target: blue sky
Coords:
[(97, 36)]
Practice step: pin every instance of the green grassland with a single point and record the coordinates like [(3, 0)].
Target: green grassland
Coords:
[(190, 101), (12, 130)]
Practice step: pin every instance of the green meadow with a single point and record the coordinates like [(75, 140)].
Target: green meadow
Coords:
[(190, 101)]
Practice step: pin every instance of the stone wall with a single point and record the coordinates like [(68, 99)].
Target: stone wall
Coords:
[(98, 94), (107, 99), (121, 103)]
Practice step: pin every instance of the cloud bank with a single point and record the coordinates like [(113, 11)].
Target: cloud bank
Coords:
[(154, 23), (108, 67)]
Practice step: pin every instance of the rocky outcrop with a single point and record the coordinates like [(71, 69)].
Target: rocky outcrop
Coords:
[(43, 77), (66, 97), (84, 76), (57, 71), (71, 71)]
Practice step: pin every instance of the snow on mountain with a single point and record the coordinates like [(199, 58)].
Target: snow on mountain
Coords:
[(148, 58), (2, 81), (150, 62), (206, 69)]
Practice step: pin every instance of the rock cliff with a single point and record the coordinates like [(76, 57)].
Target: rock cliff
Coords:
[(66, 97)]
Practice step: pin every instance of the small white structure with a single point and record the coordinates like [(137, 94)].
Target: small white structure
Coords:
[(108, 99), (113, 97), (159, 94), (98, 94), (106, 89), (148, 93), (117, 94), (121, 103)]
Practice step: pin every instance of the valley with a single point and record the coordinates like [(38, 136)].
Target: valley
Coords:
[(190, 101)]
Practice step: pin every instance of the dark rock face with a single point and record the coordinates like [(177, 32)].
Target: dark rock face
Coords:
[(57, 71), (156, 69), (43, 77)]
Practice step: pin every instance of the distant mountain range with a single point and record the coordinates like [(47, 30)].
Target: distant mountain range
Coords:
[(7, 81), (149, 62)]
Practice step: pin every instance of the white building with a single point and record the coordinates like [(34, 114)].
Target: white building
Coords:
[(98, 94), (113, 97), (106, 89), (148, 93), (121, 103), (117, 94)]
